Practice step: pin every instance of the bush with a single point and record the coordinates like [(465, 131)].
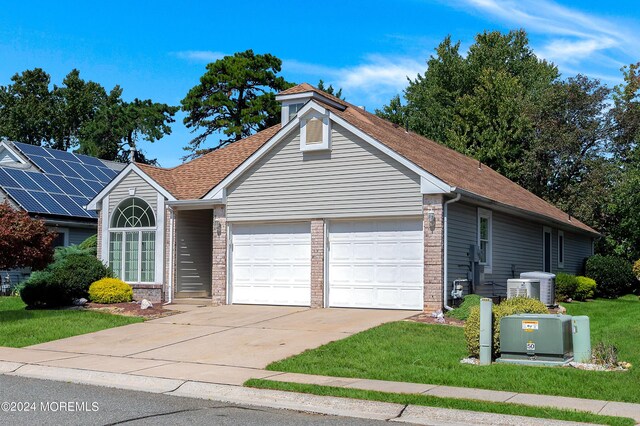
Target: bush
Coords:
[(566, 286), (605, 354), (462, 312), (110, 290), (636, 269), (517, 305), (68, 278), (586, 288), (613, 275), (90, 244)]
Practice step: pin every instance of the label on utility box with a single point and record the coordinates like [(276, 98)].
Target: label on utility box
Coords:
[(531, 346), (529, 325)]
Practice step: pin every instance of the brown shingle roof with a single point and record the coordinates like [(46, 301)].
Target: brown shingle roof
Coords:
[(192, 180)]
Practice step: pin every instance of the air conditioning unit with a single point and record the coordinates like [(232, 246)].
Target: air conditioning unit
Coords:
[(523, 287), (547, 286)]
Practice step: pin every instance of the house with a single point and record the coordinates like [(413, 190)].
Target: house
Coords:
[(55, 186), (334, 207)]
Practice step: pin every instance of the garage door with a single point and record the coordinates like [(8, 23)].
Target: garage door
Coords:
[(271, 264), (376, 264)]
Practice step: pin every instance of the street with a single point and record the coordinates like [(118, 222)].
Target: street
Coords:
[(30, 401)]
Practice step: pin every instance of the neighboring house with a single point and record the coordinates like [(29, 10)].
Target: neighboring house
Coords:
[(334, 207), (54, 186)]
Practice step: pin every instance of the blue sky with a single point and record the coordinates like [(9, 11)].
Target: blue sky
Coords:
[(159, 49)]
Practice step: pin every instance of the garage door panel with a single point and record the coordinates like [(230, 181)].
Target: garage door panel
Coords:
[(376, 264), (271, 264)]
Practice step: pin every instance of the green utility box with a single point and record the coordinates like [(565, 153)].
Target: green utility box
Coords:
[(537, 339)]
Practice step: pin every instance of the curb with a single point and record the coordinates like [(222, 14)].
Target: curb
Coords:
[(325, 405)]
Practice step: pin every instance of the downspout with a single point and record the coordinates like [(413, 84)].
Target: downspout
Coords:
[(445, 293), (170, 274)]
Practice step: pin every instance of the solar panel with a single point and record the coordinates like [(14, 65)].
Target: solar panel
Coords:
[(82, 186), (97, 186), (97, 172), (63, 155), (85, 159), (51, 203), (65, 185), (71, 205), (23, 198), (29, 150), (44, 182), (45, 165), (23, 179), (6, 180), (65, 168)]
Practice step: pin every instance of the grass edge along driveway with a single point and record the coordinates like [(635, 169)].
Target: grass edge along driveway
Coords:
[(20, 327), (433, 401), (424, 353)]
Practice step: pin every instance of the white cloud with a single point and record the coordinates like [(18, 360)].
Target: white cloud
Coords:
[(200, 55), (570, 36)]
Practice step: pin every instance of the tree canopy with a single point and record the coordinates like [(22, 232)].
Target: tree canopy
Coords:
[(235, 98), (24, 242), (79, 115)]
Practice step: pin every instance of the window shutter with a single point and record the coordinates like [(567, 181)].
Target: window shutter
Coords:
[(314, 131)]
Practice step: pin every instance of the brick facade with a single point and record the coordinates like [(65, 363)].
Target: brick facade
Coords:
[(433, 252), (99, 235), (152, 292), (219, 258), (317, 263)]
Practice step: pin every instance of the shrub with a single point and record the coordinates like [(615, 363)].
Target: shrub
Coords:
[(90, 244), (110, 290), (462, 312), (68, 278), (517, 305), (586, 288), (605, 354), (613, 275), (566, 286), (636, 269)]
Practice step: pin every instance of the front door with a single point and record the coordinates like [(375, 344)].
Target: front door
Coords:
[(194, 233)]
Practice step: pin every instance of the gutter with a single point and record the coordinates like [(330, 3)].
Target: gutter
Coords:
[(445, 293), (195, 204)]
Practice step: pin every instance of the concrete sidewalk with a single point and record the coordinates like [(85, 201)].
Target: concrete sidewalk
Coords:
[(116, 371)]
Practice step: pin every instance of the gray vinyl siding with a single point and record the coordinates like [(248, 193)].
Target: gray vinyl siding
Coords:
[(142, 188), (78, 235), (354, 179), (194, 233), (517, 246)]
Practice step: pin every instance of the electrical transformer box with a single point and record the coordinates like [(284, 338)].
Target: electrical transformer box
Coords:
[(536, 339)]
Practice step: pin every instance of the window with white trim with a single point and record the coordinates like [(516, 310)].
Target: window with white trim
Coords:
[(132, 241), (560, 249), (485, 238), (293, 109)]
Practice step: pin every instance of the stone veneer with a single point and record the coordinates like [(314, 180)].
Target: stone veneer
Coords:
[(99, 235), (433, 253), (317, 263), (219, 258)]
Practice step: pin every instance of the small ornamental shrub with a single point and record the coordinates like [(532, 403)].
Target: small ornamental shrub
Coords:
[(613, 275), (517, 305), (39, 291), (566, 286), (462, 311), (110, 290), (90, 244), (586, 288), (605, 354), (636, 269)]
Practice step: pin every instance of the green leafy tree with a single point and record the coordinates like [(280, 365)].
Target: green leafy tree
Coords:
[(235, 98), (394, 112), (330, 90)]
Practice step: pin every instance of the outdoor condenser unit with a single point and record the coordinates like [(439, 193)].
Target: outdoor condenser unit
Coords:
[(542, 339), (547, 286), (523, 287)]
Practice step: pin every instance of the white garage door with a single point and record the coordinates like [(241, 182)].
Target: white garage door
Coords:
[(271, 264), (376, 264)]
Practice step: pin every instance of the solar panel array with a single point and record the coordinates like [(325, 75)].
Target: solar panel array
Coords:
[(68, 183)]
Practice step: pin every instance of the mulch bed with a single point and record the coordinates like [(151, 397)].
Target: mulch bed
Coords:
[(428, 319), (131, 309)]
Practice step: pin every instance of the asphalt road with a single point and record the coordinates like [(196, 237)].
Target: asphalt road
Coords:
[(57, 403)]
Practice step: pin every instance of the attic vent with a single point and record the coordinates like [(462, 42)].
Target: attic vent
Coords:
[(314, 131)]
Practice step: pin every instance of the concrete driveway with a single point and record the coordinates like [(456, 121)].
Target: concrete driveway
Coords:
[(226, 344)]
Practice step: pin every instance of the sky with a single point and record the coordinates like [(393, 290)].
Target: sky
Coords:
[(159, 49)]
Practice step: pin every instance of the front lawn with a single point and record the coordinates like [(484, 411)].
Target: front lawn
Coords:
[(21, 327), (425, 353)]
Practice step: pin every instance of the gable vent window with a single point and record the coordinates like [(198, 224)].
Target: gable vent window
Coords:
[(315, 134)]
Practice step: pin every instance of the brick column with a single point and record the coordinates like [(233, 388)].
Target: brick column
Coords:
[(433, 252), (99, 235), (219, 258), (317, 263)]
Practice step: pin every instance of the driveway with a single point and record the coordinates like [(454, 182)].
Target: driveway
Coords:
[(226, 344)]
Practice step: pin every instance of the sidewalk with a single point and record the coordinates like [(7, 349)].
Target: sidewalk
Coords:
[(178, 377)]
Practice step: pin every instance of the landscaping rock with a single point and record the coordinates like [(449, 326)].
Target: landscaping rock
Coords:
[(145, 304), (80, 302), (562, 310)]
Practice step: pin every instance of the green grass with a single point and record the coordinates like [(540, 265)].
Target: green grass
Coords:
[(21, 327), (432, 401), (425, 353)]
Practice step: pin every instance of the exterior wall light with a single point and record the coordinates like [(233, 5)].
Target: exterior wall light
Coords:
[(431, 217)]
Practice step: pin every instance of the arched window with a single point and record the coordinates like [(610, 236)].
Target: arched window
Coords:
[(132, 244)]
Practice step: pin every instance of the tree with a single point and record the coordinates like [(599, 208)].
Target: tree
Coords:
[(235, 97), (330, 90), (394, 112), (79, 115), (24, 241)]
